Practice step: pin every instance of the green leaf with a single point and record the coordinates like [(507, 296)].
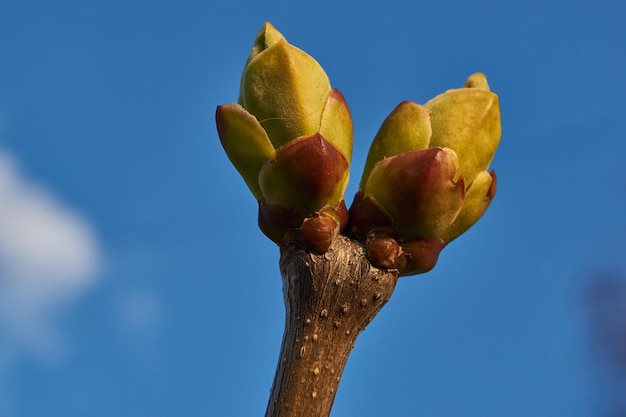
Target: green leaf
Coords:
[(245, 143), (467, 120)]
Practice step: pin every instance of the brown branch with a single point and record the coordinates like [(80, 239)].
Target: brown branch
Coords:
[(329, 300)]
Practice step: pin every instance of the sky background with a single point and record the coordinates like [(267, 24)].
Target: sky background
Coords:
[(134, 280)]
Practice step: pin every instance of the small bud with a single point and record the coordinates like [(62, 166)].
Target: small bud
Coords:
[(384, 251), (422, 255)]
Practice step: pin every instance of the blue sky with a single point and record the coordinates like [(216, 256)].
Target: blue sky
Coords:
[(135, 282)]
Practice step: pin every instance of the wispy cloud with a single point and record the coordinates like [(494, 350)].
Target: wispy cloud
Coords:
[(49, 256)]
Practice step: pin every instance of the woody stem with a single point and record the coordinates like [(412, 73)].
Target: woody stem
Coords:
[(329, 300)]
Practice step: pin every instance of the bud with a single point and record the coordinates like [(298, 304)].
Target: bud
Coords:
[(425, 181), (290, 137)]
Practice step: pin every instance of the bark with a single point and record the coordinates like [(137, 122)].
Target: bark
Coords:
[(329, 300)]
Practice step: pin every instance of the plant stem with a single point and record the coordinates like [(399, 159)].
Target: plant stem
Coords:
[(329, 300)]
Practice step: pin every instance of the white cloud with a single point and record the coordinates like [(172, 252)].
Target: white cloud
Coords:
[(48, 257)]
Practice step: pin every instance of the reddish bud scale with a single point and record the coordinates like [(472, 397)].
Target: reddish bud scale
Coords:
[(282, 224), (307, 173)]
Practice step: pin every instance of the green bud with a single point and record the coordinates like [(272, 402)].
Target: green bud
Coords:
[(290, 137), (425, 180)]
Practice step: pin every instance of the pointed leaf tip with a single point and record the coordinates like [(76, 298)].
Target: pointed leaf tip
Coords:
[(477, 80)]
